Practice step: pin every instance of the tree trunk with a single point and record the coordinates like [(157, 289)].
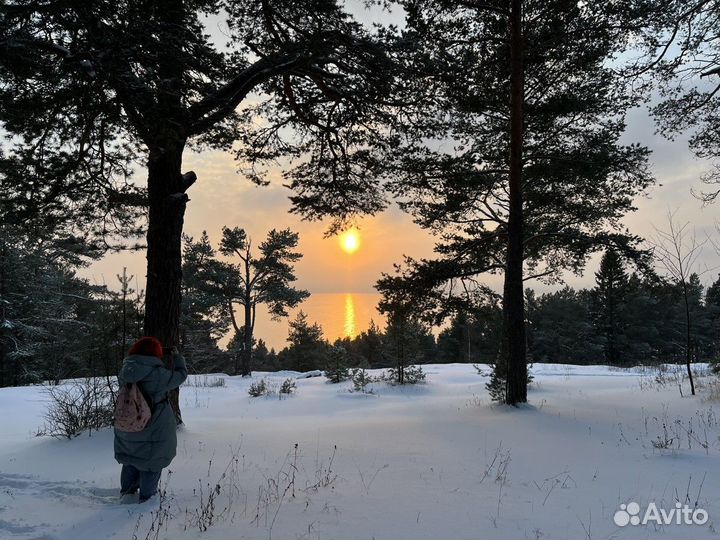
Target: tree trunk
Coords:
[(688, 343), (124, 318), (513, 298), (610, 357), (235, 354), (247, 348), (3, 330), (167, 199)]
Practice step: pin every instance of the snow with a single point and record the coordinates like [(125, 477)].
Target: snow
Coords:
[(308, 374), (436, 460)]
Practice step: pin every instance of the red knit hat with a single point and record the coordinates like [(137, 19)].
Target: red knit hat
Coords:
[(147, 346)]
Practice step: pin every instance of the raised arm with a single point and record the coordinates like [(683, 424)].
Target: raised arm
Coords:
[(170, 379)]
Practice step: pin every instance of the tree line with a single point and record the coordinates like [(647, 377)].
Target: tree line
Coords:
[(58, 325), (641, 323)]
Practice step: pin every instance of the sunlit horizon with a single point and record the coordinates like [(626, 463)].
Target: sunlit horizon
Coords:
[(340, 315)]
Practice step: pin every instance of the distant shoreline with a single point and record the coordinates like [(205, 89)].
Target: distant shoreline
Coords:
[(339, 315)]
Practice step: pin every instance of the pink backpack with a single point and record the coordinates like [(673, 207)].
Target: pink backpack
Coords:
[(132, 410)]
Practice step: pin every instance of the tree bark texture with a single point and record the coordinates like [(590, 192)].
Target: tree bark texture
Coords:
[(513, 297), (167, 200), (248, 332)]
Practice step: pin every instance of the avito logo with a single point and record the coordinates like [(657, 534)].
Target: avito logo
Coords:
[(630, 514)]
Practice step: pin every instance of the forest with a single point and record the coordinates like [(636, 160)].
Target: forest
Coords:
[(60, 326)]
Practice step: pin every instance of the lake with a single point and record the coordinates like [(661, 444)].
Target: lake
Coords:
[(339, 315)]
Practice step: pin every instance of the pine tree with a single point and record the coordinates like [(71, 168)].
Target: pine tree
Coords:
[(454, 342), (263, 278), (405, 344), (712, 304), (336, 368), (561, 328), (48, 314), (642, 321), (307, 349), (712, 294), (701, 317), (237, 347), (370, 345), (264, 359), (608, 305), (202, 317), (536, 178)]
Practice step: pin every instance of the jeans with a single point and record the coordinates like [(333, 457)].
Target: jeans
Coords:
[(132, 479)]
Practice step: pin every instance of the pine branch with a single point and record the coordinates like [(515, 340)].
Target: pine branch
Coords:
[(215, 107), (714, 71), (483, 6)]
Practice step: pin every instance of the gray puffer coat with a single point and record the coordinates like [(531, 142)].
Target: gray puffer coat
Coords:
[(153, 448)]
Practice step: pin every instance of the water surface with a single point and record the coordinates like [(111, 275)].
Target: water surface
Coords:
[(339, 315)]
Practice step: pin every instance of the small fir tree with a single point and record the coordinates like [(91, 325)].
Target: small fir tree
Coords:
[(336, 369)]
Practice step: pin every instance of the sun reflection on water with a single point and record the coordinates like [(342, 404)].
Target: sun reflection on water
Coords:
[(350, 325)]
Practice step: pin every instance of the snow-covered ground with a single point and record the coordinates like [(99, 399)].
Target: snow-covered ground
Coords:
[(436, 460)]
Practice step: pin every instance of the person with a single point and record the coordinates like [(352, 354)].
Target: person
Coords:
[(144, 454)]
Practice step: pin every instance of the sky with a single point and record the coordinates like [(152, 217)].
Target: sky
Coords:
[(223, 197)]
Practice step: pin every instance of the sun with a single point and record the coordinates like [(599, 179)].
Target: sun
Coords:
[(350, 241)]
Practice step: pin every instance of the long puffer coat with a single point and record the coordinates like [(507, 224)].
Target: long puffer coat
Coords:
[(153, 448)]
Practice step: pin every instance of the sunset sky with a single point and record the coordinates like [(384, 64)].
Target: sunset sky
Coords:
[(222, 196)]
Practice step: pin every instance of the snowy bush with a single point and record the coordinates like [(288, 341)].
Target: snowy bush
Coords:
[(205, 382), (481, 371), (360, 380), (259, 388), (77, 406), (414, 375), (712, 390), (715, 366), (287, 386), (265, 388), (405, 375), (498, 379)]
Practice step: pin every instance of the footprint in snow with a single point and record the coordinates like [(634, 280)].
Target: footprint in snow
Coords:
[(16, 485)]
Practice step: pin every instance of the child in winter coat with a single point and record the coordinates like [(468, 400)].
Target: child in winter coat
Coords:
[(144, 454)]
